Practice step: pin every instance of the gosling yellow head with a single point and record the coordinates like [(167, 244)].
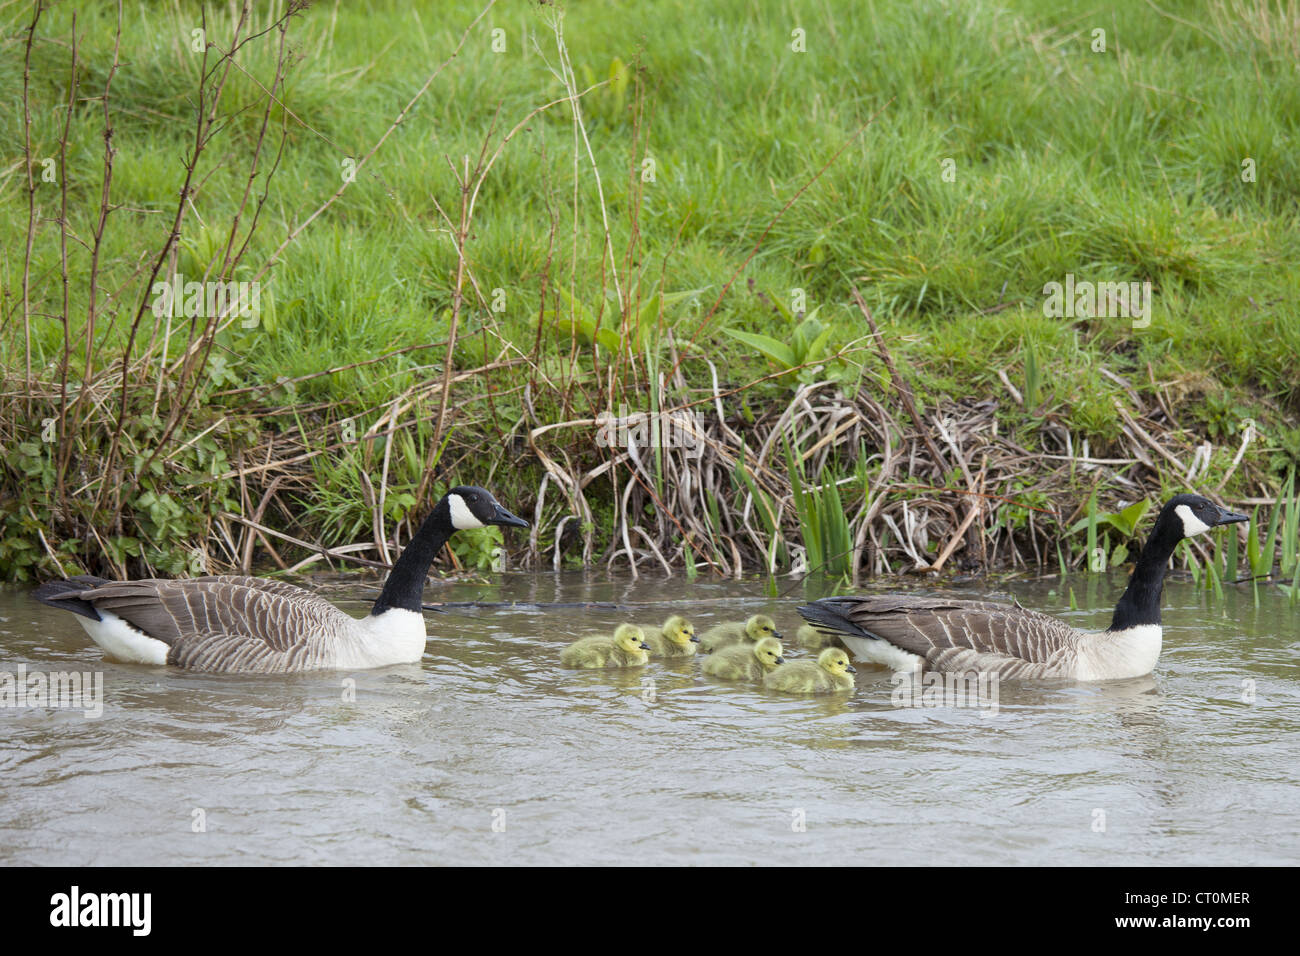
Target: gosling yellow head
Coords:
[(769, 652), (680, 631), (835, 661), (630, 638), (760, 627)]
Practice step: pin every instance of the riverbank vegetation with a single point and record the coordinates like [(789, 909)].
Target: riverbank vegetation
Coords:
[(704, 288)]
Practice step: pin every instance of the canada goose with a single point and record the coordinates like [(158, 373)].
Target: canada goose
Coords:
[(733, 632), (912, 633), (745, 661), (809, 638), (627, 648), (252, 625), (829, 673), (675, 639)]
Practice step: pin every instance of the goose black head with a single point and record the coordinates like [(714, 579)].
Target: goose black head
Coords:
[(470, 506), (1183, 516), (1190, 515)]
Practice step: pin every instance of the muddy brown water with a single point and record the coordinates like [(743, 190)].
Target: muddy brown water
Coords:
[(488, 752)]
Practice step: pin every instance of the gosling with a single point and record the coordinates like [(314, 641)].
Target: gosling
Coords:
[(627, 648), (809, 638), (675, 639), (831, 672), (757, 628), (745, 661)]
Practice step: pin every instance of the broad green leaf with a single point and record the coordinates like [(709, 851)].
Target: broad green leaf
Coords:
[(778, 352)]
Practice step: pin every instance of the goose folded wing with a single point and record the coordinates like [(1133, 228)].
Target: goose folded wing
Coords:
[(970, 636), (227, 623)]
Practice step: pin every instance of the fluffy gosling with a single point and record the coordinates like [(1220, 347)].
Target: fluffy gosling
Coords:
[(809, 638), (745, 661), (757, 628), (675, 639), (831, 672), (627, 648)]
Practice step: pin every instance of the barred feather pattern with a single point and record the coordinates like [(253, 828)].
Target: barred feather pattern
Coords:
[(236, 624), (958, 636)]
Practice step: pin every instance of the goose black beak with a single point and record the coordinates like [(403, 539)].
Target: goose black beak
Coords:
[(780, 660), (694, 639), (645, 646), (778, 635), (852, 669), (1230, 517), (504, 517)]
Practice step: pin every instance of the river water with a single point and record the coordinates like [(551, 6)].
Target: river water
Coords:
[(488, 752)]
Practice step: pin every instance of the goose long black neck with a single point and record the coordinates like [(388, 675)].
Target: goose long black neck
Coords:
[(1141, 601), (405, 585)]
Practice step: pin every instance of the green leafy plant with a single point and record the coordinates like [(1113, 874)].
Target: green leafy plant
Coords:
[(478, 548), (809, 343), (1260, 550), (607, 331), (1222, 414), (1289, 506), (609, 101), (823, 523), (767, 514), (1125, 521)]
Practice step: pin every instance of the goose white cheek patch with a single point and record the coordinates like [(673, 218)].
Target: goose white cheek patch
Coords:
[(1192, 525), (461, 516)]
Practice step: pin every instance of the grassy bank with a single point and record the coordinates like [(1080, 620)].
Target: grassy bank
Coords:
[(475, 237)]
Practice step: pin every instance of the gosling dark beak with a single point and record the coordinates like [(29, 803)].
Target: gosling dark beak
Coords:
[(694, 639), (504, 517), (644, 646), (778, 635), (780, 660), (1230, 517), (852, 669)]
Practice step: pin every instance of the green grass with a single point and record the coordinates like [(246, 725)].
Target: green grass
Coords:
[(1116, 166)]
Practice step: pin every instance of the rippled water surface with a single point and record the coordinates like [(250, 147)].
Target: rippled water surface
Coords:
[(489, 752)]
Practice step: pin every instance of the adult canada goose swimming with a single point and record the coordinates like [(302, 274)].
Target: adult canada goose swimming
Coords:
[(755, 629), (829, 673), (938, 634), (627, 648), (253, 625)]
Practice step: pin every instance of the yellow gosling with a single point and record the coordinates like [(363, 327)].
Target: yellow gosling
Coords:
[(675, 639), (831, 672), (627, 648), (809, 638), (757, 628), (745, 661)]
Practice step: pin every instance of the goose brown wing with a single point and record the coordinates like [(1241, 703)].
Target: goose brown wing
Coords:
[(955, 635), (228, 623)]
